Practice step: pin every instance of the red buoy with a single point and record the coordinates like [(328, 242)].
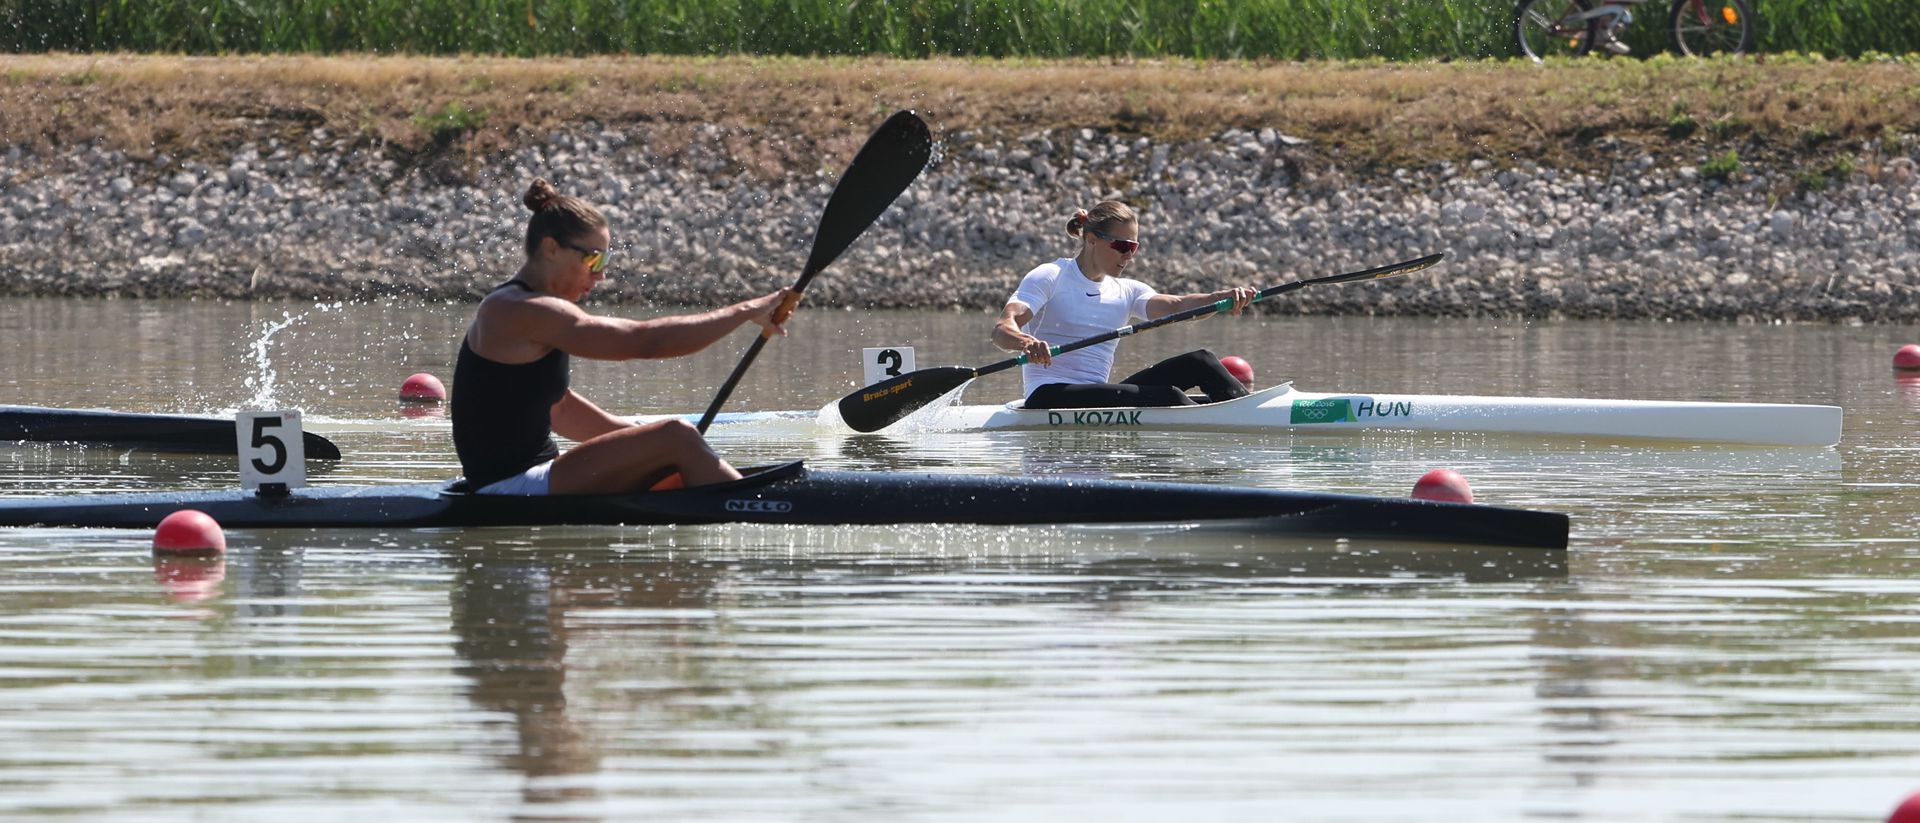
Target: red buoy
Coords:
[(1239, 368), (1907, 358), (1909, 812), (422, 387), (1444, 485), (189, 532)]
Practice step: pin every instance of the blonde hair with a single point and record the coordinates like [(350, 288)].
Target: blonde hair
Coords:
[(1104, 216), (559, 216)]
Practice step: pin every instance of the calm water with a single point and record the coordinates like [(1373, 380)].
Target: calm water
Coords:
[(1735, 634)]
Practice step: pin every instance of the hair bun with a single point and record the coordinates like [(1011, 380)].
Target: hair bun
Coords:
[(1077, 222), (541, 195)]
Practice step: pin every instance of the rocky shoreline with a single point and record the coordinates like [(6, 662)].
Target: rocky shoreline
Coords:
[(330, 217)]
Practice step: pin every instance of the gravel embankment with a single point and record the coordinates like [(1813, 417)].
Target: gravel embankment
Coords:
[(319, 218)]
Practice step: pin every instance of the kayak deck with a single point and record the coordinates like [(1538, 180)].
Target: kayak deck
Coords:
[(795, 495)]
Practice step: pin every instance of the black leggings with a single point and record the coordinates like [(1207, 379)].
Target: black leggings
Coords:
[(1162, 384)]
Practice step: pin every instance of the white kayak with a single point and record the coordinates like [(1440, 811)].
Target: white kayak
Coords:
[(1283, 408)]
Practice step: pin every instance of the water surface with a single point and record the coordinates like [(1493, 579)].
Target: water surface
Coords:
[(1732, 635)]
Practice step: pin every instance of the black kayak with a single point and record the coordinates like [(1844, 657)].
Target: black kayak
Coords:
[(151, 432), (792, 494)]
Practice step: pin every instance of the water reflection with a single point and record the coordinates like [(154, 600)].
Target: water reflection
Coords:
[(423, 411), (185, 579), (516, 611), (1909, 387), (510, 631)]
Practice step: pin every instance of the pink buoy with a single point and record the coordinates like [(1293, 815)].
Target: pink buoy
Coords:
[(1907, 358), (423, 388), (1909, 811), (1444, 485), (1239, 368), (189, 532)]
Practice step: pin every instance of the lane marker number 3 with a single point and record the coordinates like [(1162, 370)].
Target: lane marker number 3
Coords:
[(884, 362)]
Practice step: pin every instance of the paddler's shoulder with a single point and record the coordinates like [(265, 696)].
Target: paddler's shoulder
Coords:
[(513, 293), (519, 305)]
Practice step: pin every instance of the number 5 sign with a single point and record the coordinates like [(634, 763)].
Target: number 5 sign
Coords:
[(271, 449)]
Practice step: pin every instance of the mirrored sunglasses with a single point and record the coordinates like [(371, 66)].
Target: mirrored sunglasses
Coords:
[(1115, 243), (596, 259)]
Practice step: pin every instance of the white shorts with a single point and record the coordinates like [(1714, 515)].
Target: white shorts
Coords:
[(532, 482)]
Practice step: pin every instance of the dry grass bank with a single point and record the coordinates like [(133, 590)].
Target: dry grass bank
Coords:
[(1376, 116)]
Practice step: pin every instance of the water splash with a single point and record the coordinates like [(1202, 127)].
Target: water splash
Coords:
[(263, 379)]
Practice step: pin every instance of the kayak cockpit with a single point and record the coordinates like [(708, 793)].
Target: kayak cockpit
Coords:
[(750, 477)]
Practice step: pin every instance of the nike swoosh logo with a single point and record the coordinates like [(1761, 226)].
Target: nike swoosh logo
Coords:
[(1093, 294)]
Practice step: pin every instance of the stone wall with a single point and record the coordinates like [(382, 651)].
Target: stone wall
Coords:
[(329, 217)]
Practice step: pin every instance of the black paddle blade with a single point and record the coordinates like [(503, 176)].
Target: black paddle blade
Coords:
[(892, 157), (882, 404), (885, 166), (319, 448)]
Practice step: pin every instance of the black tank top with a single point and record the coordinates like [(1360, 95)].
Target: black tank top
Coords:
[(503, 414)]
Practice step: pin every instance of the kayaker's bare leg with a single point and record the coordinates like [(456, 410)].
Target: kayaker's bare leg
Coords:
[(634, 458)]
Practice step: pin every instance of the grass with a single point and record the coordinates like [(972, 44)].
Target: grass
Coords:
[(1191, 29), (451, 122), (792, 111), (1722, 166), (1680, 124)]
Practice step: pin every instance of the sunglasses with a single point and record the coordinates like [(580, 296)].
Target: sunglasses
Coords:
[(596, 259), (1115, 243)]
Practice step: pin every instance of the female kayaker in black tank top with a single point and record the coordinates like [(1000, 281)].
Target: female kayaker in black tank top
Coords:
[(510, 388)]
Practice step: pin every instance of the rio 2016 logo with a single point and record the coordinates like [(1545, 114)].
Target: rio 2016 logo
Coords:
[(1347, 410), (1322, 411)]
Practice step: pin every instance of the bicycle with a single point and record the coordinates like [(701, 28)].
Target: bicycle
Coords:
[(1573, 27)]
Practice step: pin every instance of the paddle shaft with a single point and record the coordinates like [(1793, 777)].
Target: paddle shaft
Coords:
[(1218, 306), (780, 315)]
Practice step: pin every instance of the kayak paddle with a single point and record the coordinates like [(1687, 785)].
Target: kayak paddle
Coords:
[(882, 404), (883, 168)]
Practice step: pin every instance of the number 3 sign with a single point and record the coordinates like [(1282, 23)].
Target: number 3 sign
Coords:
[(271, 449), (883, 363)]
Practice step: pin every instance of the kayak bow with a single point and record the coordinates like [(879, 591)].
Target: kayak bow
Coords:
[(153, 432)]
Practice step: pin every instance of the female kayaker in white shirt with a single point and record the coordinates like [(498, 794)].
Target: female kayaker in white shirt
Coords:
[(1081, 296)]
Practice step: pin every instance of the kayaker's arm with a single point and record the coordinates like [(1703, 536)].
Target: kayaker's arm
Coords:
[(567, 327), (1161, 305), (1008, 336), (578, 419)]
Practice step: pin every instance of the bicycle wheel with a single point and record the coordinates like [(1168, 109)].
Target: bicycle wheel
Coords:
[(1703, 27), (1542, 28)]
